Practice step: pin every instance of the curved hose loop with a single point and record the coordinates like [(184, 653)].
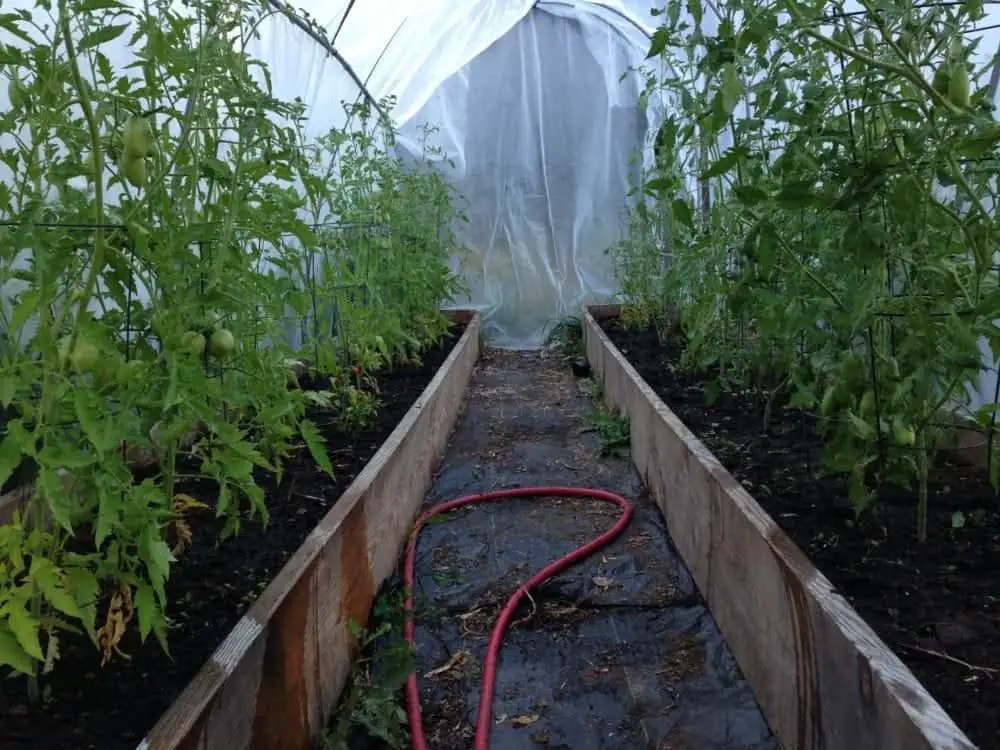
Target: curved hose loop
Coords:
[(485, 718)]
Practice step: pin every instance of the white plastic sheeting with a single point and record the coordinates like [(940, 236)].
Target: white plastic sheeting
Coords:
[(539, 133), (537, 128)]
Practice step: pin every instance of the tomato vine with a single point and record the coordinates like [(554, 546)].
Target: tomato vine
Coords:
[(846, 262), (159, 226)]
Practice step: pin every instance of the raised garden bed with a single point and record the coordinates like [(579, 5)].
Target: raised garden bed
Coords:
[(258, 640), (825, 673)]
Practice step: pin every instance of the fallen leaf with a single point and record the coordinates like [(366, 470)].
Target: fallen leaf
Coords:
[(524, 721), (457, 659)]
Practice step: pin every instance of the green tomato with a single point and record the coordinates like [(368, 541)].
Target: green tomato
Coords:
[(852, 367), (221, 344), (130, 371), (958, 87), (106, 371), (133, 168), (867, 404), (16, 94), (138, 137), (82, 358), (904, 435), (194, 342)]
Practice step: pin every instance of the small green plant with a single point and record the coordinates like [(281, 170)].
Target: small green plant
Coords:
[(613, 431), (485, 341), (611, 428), (371, 709), (565, 340)]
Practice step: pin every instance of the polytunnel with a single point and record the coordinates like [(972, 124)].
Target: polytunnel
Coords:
[(501, 373)]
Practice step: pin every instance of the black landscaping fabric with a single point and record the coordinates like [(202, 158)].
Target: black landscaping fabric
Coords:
[(619, 651)]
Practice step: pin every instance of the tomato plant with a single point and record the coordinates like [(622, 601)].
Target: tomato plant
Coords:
[(156, 227), (826, 184)]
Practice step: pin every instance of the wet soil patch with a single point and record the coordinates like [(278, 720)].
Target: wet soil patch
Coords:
[(618, 651), (936, 605), (213, 584)]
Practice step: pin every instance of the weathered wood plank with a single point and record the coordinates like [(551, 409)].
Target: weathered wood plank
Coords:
[(823, 678)]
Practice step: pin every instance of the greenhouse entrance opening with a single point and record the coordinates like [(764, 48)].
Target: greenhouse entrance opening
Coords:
[(540, 134)]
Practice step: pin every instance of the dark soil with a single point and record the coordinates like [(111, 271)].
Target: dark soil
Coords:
[(210, 588), (941, 597)]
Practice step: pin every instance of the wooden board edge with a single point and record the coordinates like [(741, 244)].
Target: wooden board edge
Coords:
[(302, 615), (840, 686)]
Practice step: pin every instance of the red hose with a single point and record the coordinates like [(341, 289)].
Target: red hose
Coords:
[(485, 720)]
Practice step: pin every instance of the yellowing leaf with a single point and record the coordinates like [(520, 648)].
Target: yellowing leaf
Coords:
[(524, 721), (183, 502), (51, 653), (119, 615)]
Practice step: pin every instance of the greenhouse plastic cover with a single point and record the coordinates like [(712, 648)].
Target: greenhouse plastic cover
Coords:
[(537, 128)]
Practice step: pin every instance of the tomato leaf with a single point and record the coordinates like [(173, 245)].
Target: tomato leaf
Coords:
[(12, 654), (155, 552), (102, 36), (728, 160), (86, 590), (145, 605), (25, 629), (102, 5), (8, 389), (658, 185), (749, 195), (732, 88), (51, 485), (108, 510), (10, 456), (88, 408), (659, 42), (47, 577), (682, 213), (316, 444), (27, 306)]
